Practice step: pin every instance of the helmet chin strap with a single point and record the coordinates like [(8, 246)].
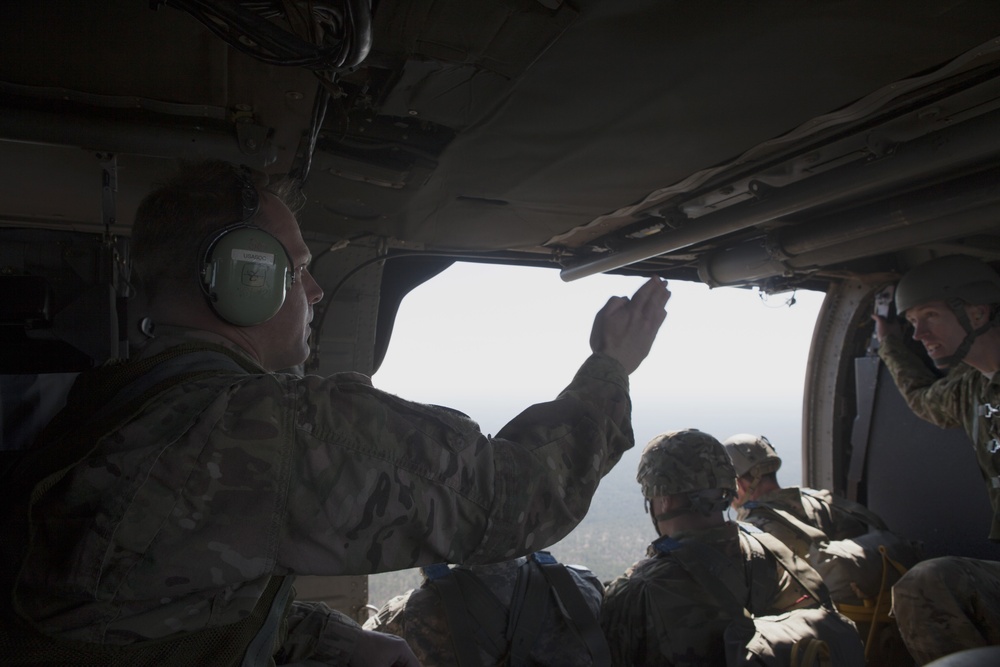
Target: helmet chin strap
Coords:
[(666, 516), (958, 308), (755, 480), (703, 503)]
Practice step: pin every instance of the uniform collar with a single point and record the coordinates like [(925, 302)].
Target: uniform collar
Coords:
[(168, 336)]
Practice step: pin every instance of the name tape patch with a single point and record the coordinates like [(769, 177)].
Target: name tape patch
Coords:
[(253, 256)]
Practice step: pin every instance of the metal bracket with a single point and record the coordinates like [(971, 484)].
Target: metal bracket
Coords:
[(252, 138)]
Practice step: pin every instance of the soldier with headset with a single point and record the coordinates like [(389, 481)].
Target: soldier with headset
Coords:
[(945, 605), (162, 516)]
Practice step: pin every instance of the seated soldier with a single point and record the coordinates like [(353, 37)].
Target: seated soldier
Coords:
[(757, 464), (704, 574), (530, 610), (165, 512), (838, 537)]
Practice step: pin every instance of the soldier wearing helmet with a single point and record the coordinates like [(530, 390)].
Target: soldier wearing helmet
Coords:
[(952, 303), (970, 291), (685, 474), (660, 612), (757, 463), (809, 520)]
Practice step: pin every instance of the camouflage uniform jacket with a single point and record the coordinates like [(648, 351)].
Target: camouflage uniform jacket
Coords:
[(812, 507), (180, 515), (658, 615), (963, 398), (419, 617)]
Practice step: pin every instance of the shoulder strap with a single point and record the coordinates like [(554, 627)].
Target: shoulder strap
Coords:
[(580, 614), (818, 511), (854, 509), (811, 533), (798, 569), (272, 631), (528, 609), (712, 570), (97, 395), (100, 400), (465, 599)]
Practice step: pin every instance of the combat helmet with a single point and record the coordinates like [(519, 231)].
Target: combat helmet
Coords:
[(752, 454), (687, 462), (956, 280), (948, 278)]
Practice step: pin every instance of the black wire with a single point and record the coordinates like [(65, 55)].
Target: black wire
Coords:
[(368, 262), (320, 107), (245, 27), (360, 17)]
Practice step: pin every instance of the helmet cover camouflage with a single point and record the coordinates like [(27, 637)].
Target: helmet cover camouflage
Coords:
[(683, 462), (947, 278), (752, 454)]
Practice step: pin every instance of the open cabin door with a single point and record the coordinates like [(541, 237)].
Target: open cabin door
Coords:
[(862, 441)]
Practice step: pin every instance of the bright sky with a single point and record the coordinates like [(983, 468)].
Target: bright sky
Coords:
[(491, 340)]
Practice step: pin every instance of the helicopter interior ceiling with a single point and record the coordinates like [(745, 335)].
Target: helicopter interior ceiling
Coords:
[(777, 143)]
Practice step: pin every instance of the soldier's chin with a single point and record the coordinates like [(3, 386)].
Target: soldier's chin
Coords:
[(943, 363)]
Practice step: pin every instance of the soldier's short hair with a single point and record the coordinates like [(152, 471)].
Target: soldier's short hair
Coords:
[(173, 221)]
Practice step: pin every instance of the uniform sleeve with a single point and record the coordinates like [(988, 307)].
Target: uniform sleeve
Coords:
[(941, 401), (379, 483), (623, 623)]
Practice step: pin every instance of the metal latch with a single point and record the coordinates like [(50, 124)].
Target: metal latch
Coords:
[(987, 410)]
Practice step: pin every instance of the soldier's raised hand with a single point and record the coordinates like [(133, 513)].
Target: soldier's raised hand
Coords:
[(626, 328)]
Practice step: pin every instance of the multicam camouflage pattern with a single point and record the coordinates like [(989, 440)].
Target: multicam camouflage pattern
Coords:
[(752, 454), (657, 615), (419, 617), (944, 605), (953, 401), (178, 518), (682, 462)]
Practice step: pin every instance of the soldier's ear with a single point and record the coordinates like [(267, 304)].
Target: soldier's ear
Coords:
[(663, 504), (976, 313)]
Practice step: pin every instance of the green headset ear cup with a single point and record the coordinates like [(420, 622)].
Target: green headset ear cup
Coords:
[(246, 273)]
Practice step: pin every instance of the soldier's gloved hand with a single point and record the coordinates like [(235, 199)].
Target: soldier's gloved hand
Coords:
[(624, 328), (884, 328), (377, 649)]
